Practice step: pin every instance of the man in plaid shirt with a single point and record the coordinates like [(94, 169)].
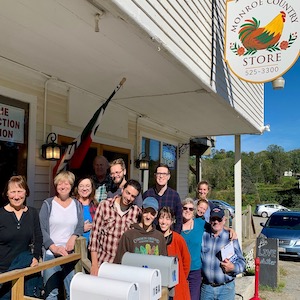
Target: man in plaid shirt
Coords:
[(112, 218), (222, 260)]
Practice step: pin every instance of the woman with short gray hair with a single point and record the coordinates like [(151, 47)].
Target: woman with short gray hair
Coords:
[(192, 231)]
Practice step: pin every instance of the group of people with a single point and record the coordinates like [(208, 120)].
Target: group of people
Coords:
[(115, 217)]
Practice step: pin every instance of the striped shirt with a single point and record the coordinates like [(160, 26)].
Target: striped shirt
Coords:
[(211, 258), (108, 227)]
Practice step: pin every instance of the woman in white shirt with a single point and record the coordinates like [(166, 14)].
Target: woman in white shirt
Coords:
[(61, 219)]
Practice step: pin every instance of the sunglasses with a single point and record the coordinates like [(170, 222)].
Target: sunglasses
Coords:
[(188, 208), (151, 211), (216, 219)]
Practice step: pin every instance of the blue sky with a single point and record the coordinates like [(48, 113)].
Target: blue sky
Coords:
[(282, 112)]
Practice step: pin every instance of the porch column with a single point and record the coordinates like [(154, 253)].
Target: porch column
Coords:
[(238, 187), (145, 180)]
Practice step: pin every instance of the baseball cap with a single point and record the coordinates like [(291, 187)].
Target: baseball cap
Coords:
[(150, 202), (217, 212)]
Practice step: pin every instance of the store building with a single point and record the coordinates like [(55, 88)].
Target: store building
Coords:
[(59, 61)]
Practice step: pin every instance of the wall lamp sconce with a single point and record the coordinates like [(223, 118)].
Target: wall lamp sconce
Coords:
[(142, 162), (51, 150)]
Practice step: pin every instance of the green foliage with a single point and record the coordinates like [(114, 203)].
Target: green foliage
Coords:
[(263, 179), (288, 182)]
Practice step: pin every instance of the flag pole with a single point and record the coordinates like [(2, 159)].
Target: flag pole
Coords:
[(83, 141)]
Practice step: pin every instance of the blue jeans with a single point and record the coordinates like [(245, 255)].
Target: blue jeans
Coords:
[(223, 292), (54, 277), (33, 283)]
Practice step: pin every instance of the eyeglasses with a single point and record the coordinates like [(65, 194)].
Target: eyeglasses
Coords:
[(161, 174), (216, 219), (116, 173), (188, 208)]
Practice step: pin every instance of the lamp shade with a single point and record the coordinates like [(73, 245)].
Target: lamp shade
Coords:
[(278, 83), (142, 162), (51, 150)]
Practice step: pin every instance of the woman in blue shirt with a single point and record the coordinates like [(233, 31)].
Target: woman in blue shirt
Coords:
[(85, 194), (192, 231)]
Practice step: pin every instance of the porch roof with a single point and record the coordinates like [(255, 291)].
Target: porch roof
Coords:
[(58, 38)]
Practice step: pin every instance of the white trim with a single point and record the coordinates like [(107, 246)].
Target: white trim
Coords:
[(158, 138), (32, 100)]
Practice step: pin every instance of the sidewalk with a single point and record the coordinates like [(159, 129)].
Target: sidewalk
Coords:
[(244, 288)]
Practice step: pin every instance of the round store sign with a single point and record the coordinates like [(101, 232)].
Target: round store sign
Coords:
[(261, 38)]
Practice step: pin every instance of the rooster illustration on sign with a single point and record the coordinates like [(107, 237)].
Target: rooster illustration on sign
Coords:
[(254, 38)]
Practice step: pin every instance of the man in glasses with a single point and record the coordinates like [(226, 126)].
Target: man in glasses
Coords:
[(222, 260), (118, 176), (165, 195), (143, 238)]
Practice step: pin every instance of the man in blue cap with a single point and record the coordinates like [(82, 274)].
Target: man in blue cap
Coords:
[(222, 259), (143, 238)]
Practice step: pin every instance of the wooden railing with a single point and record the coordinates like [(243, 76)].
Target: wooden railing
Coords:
[(83, 265), (17, 276), (248, 227)]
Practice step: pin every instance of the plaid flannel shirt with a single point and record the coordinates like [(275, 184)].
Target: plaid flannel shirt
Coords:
[(108, 227)]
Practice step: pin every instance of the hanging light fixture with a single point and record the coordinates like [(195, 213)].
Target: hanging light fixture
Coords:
[(142, 162), (51, 150), (278, 83)]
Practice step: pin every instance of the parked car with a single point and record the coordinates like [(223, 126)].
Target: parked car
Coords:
[(284, 226), (224, 205), (266, 210)]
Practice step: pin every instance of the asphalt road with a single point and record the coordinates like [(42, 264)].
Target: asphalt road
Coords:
[(289, 275)]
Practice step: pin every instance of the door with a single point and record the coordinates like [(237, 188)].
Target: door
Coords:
[(110, 152)]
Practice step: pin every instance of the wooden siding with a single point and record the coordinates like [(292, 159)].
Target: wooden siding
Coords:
[(193, 31), (180, 27), (246, 98)]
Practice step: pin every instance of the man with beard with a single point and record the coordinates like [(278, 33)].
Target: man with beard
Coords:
[(113, 217), (118, 176)]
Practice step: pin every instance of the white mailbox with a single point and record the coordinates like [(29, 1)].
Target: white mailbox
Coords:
[(168, 266), (149, 280), (84, 286)]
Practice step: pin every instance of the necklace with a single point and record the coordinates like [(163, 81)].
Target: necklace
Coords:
[(190, 229)]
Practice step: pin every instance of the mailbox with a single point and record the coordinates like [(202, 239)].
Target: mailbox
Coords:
[(168, 266), (149, 280), (90, 287)]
